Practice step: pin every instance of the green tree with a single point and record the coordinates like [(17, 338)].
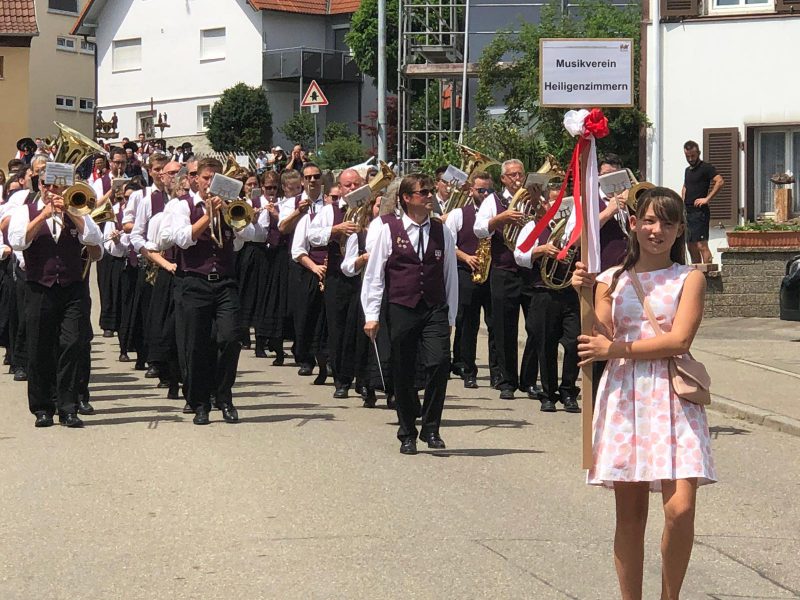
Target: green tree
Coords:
[(363, 39), (241, 120), (335, 130), (341, 152), (517, 84), (299, 129)]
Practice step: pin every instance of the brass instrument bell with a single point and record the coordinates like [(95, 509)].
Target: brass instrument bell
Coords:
[(80, 199), (238, 214)]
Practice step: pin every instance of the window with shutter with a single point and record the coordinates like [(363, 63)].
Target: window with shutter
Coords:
[(787, 6), (679, 9), (721, 149)]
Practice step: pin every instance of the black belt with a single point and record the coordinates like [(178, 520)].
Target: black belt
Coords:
[(207, 277)]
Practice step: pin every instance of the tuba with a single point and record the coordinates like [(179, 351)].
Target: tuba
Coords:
[(233, 169), (359, 214), (73, 147), (557, 274), (238, 214), (472, 161)]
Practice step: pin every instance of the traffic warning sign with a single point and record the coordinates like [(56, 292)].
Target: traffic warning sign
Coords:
[(314, 96)]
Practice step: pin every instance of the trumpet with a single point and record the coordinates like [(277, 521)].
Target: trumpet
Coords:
[(215, 223)]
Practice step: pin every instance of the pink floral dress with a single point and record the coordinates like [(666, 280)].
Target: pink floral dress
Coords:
[(642, 431)]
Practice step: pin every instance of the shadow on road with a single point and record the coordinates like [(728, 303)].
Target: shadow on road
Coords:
[(278, 418), (717, 430), (479, 452), (504, 423)]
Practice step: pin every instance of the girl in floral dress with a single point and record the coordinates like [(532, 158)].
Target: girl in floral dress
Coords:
[(645, 438)]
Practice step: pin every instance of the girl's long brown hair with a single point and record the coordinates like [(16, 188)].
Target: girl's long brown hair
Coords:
[(669, 207)]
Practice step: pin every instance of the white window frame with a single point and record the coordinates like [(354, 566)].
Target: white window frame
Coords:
[(86, 50), (58, 11), (213, 54), (89, 109), (65, 100), (125, 69), (65, 47), (739, 9), (201, 110), (140, 117), (758, 176)]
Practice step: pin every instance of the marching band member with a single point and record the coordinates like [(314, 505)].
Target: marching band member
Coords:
[(329, 229), (553, 318), (414, 260), (308, 283), (472, 297), (206, 294), (131, 328), (51, 238), (271, 316), (509, 290)]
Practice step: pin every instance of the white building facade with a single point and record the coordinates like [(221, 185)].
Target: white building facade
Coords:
[(183, 54), (723, 73)]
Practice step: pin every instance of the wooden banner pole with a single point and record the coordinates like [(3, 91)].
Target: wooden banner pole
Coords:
[(587, 320)]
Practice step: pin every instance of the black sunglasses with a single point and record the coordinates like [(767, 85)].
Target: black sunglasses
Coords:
[(484, 190), (192, 173), (313, 177), (270, 187), (423, 192), (335, 196)]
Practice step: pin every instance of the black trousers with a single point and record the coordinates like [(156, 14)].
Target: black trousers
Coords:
[(554, 317), (200, 306), (18, 326), (472, 298), (109, 284), (131, 328), (419, 335), (510, 293), (56, 323), (341, 294), (6, 291), (85, 359), (308, 313), (162, 347)]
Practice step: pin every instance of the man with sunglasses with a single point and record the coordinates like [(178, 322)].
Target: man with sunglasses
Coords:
[(329, 229), (509, 289), (51, 240), (472, 297), (413, 259)]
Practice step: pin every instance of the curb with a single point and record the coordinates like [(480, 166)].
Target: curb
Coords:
[(753, 414)]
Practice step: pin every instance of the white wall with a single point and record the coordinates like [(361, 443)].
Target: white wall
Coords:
[(172, 72), (722, 74)]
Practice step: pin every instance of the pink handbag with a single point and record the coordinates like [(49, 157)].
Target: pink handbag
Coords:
[(689, 378)]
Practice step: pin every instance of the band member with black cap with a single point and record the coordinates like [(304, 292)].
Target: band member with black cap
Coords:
[(414, 260), (206, 294), (51, 240)]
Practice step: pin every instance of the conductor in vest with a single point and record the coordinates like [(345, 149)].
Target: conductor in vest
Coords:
[(414, 262), (51, 240)]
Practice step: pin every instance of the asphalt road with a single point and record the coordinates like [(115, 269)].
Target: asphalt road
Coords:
[(308, 497)]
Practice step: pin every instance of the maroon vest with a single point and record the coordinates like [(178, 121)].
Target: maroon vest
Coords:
[(205, 257), (334, 250), (106, 182), (466, 240), (48, 262), (408, 281), (502, 257), (613, 242), (534, 275)]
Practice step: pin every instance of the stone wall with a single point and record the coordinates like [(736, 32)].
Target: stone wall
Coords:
[(749, 283)]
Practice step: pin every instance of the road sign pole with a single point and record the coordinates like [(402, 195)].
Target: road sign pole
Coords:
[(316, 142)]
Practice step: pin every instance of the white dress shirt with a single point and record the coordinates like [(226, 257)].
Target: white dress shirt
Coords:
[(300, 245), (350, 256), (486, 212), (374, 274), (525, 259), (455, 221), (257, 232), (18, 228), (129, 216), (319, 232), (141, 224), (287, 206), (176, 227), (119, 248)]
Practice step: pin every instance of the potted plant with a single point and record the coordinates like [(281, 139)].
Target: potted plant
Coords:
[(765, 234)]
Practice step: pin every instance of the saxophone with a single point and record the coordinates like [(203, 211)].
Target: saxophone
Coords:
[(484, 256)]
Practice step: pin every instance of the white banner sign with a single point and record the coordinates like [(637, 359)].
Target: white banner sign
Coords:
[(585, 73)]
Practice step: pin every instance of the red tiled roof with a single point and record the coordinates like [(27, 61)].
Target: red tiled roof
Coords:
[(18, 17), (308, 7)]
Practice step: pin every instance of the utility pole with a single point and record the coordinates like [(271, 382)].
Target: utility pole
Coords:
[(382, 80)]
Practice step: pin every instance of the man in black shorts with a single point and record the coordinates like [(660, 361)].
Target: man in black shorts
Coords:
[(701, 182)]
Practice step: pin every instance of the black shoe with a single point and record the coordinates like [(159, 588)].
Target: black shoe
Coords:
[(305, 370), (322, 377), (457, 370), (12, 369), (369, 399), (173, 394), (201, 416), (229, 413), (140, 365), (433, 440), (107, 333), (20, 374), (123, 357), (84, 408), (341, 392), (470, 382), (279, 358), (261, 353), (506, 394), (408, 446), (535, 392), (187, 409), (391, 403), (247, 344), (494, 381), (70, 420), (361, 390), (43, 420), (570, 404), (548, 405), (152, 372), (6, 360), (163, 384)]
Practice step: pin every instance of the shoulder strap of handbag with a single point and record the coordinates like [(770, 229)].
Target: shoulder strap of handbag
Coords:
[(637, 285)]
